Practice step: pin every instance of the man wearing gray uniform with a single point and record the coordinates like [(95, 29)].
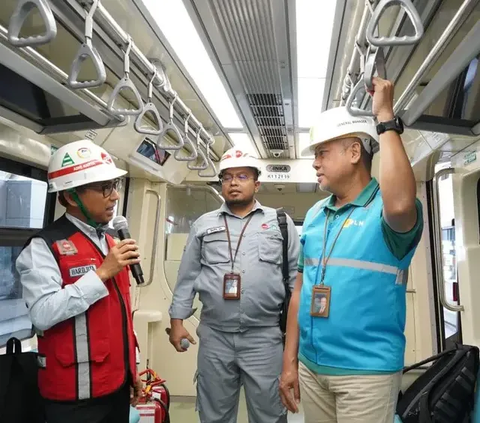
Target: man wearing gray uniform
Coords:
[(233, 260)]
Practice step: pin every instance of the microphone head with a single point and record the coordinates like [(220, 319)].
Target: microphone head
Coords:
[(185, 343), (120, 222)]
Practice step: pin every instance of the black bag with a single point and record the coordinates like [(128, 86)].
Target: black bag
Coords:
[(445, 392), (282, 223), (20, 400)]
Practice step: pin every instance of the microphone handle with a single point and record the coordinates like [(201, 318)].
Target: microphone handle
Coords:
[(136, 269)]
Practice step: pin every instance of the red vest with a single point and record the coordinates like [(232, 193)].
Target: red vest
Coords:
[(92, 354)]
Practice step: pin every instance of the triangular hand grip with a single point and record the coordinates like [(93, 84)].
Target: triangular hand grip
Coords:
[(170, 126), (191, 157), (204, 162), (395, 41), (125, 84), (149, 107), (355, 111), (24, 7), (212, 171), (84, 52)]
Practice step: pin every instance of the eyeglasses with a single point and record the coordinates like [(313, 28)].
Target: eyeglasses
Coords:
[(106, 188), (227, 179)]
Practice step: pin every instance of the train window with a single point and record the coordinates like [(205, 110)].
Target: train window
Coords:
[(184, 206), (23, 211), (22, 201)]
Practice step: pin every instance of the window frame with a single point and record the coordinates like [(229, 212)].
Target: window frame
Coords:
[(17, 237)]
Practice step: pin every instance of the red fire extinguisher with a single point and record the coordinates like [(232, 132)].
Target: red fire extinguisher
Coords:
[(155, 400)]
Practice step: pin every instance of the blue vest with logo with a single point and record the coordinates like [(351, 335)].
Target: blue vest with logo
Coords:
[(365, 327)]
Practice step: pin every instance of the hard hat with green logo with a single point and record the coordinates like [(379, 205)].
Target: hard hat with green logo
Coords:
[(337, 123), (80, 163), (77, 164)]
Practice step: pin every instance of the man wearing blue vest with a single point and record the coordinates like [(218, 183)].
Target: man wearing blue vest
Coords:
[(346, 358)]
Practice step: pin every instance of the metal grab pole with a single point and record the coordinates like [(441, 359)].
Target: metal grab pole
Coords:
[(435, 52), (437, 237)]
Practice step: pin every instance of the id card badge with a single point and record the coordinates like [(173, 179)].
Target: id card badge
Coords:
[(231, 286), (320, 301)]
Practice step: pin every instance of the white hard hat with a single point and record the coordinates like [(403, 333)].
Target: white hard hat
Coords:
[(80, 163), (336, 123), (236, 157)]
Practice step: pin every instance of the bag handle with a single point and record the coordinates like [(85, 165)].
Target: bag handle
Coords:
[(430, 359)]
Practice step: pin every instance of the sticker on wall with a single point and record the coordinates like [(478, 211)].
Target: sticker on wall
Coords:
[(469, 158), (67, 160)]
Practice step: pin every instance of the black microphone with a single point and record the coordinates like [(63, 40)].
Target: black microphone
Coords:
[(120, 224)]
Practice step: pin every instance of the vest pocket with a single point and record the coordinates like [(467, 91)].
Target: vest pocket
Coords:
[(270, 247), (215, 248), (84, 348)]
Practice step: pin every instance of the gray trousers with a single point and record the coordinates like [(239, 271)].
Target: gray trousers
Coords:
[(226, 361)]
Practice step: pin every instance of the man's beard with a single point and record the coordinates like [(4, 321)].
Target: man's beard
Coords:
[(239, 202)]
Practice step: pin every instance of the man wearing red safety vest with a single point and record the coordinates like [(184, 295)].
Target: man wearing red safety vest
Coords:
[(76, 285)]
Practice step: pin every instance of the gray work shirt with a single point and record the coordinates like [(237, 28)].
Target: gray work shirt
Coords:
[(42, 282), (206, 260)]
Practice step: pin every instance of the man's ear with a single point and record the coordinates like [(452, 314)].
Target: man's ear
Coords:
[(69, 199), (257, 186), (356, 150)]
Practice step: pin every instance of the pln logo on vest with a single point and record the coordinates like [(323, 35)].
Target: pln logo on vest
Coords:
[(353, 222)]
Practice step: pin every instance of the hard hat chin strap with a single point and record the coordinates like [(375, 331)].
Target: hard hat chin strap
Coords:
[(82, 208)]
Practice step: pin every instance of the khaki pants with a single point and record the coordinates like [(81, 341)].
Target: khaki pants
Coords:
[(348, 399)]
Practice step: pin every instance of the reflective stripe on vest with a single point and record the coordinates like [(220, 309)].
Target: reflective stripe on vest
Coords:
[(83, 357), (360, 264)]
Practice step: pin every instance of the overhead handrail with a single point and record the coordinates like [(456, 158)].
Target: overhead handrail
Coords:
[(204, 163), (178, 154), (22, 10), (171, 127), (210, 165), (88, 50), (153, 261), (438, 242), (404, 40), (149, 107), (124, 84)]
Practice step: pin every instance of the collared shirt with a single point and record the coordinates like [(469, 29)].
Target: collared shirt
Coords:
[(400, 244), (41, 280), (206, 260)]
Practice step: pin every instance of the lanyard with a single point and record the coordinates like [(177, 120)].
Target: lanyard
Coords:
[(232, 258), (324, 259)]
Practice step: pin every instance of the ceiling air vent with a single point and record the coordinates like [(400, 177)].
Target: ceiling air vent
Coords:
[(269, 117)]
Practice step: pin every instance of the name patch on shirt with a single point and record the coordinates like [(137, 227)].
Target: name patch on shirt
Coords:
[(215, 230), (81, 270), (66, 247)]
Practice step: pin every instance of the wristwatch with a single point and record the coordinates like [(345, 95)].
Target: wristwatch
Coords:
[(391, 125)]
